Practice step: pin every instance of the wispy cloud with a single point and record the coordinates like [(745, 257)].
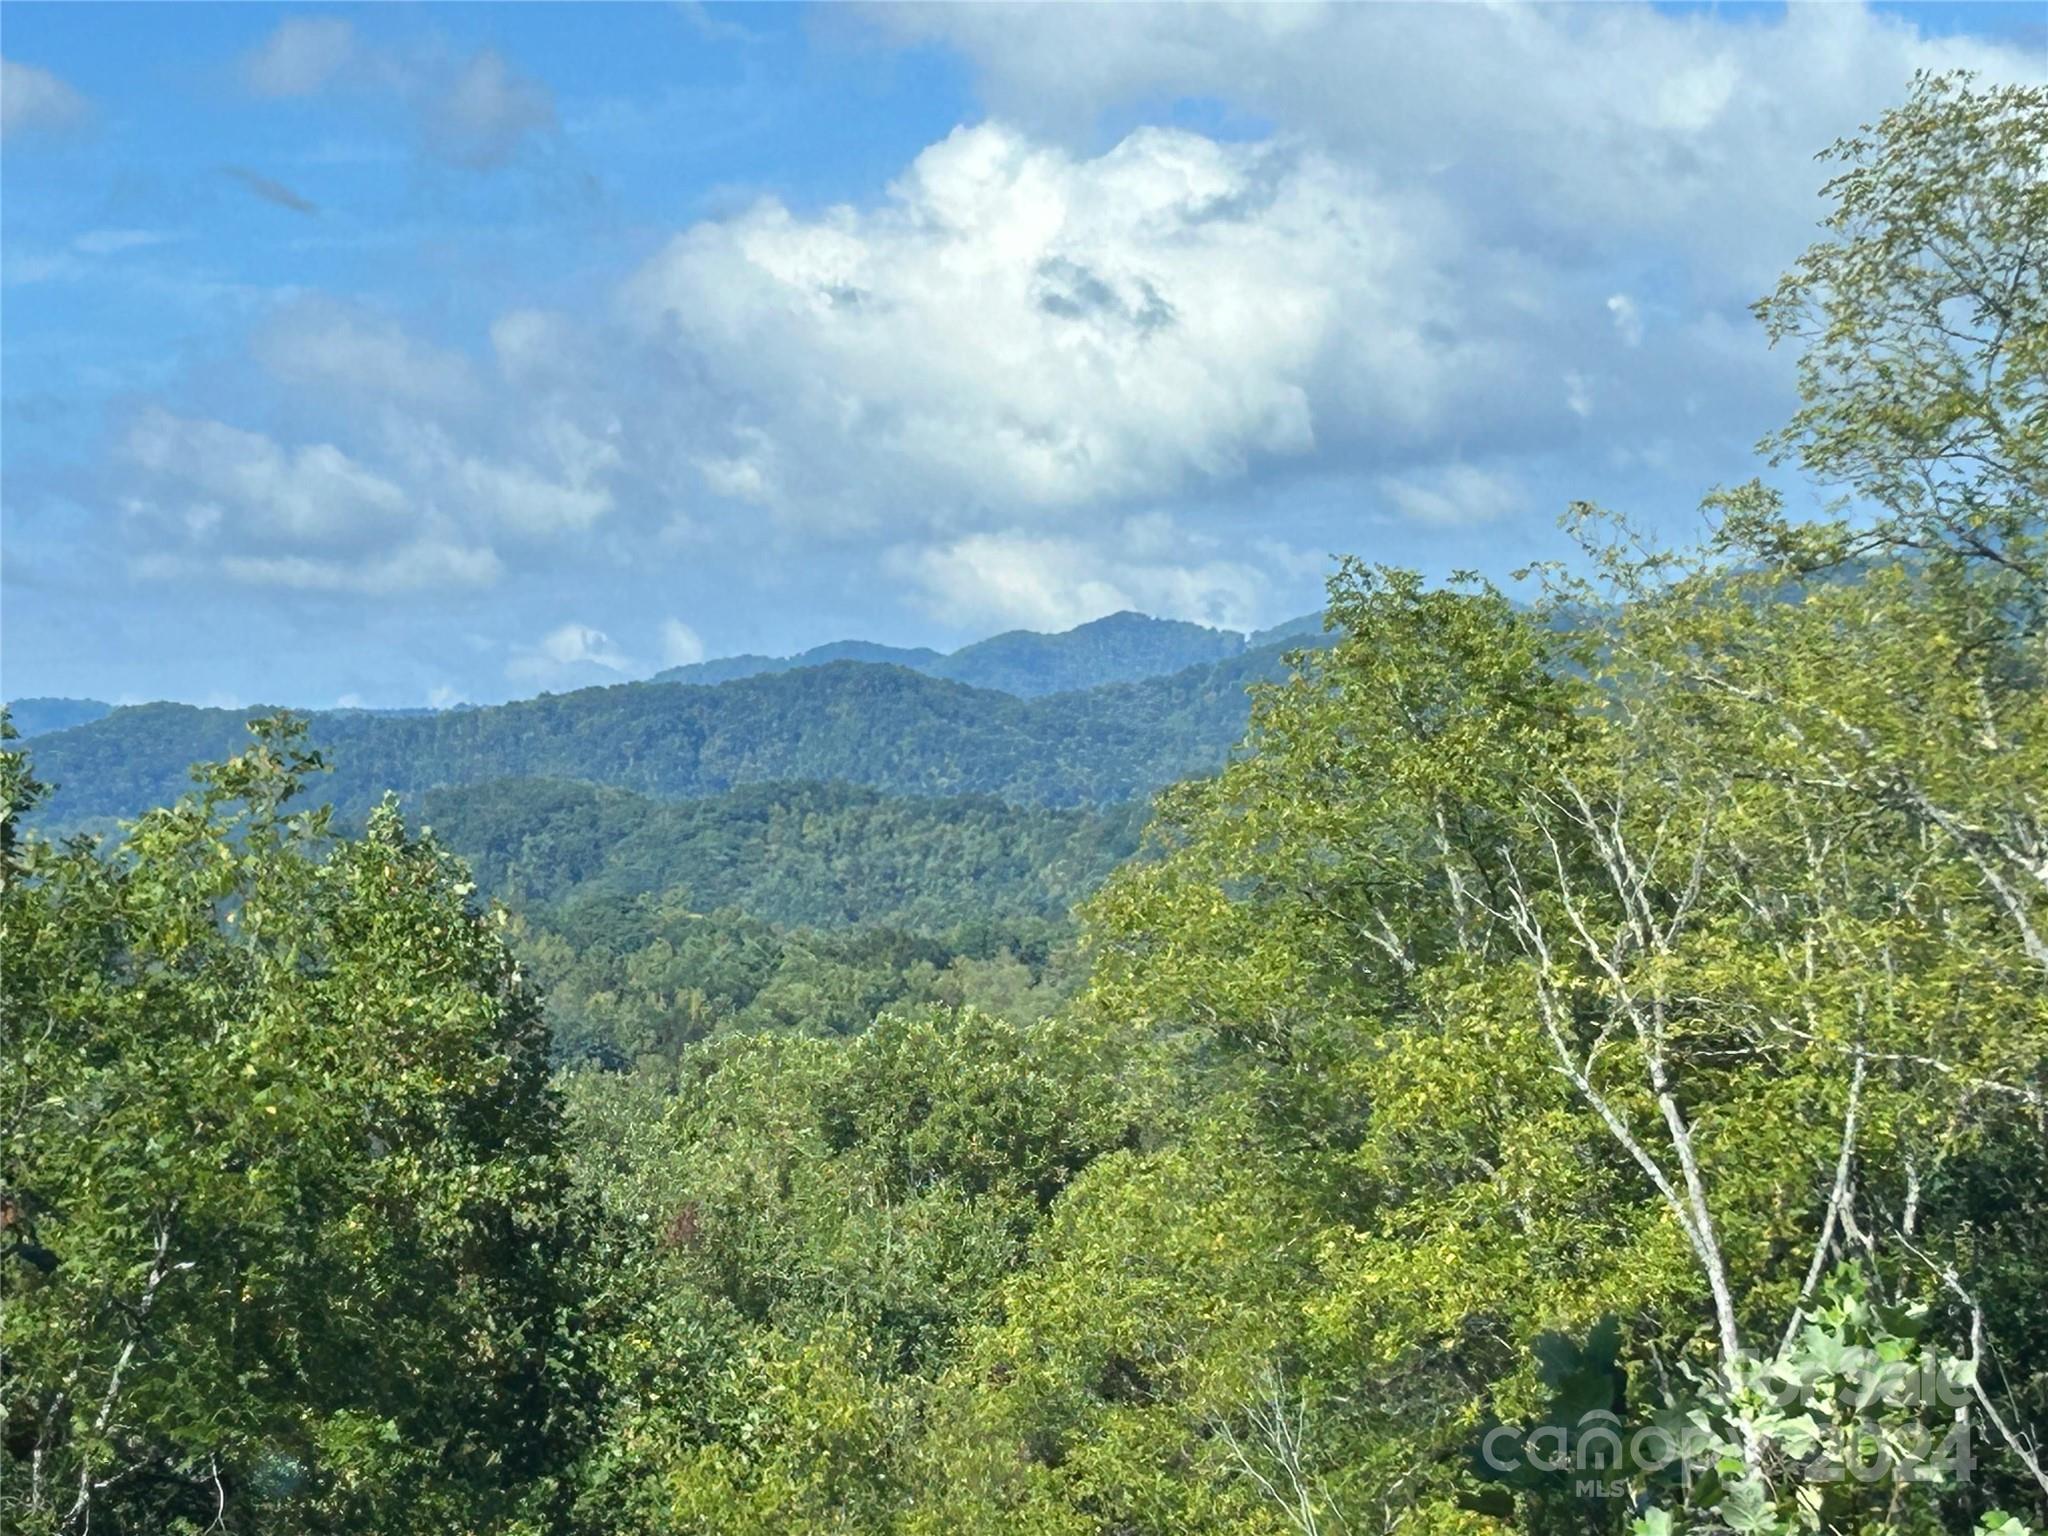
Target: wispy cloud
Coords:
[(110, 242), (1456, 495), (570, 653), (34, 101), (474, 111), (300, 57)]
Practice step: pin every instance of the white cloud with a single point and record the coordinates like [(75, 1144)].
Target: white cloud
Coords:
[(424, 448), (480, 117), (992, 580), (1694, 127), (34, 101), (680, 646), (568, 653), (1455, 495), (318, 344), (531, 343), (557, 487), (1627, 318), (1021, 329), (314, 493), (424, 564), (527, 501), (1578, 394), (111, 242), (301, 57), (580, 642), (748, 476)]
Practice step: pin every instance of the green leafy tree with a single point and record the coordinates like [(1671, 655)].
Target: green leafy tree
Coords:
[(282, 1177), (1656, 949)]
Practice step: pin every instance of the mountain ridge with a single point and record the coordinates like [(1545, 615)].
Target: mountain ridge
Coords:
[(1120, 647), (882, 726)]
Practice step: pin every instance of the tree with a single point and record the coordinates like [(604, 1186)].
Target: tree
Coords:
[(1659, 948), (282, 1176)]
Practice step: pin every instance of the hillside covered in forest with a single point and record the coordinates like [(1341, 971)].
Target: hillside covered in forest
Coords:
[(864, 723)]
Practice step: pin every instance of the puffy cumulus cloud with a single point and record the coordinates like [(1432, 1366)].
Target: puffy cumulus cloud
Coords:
[(206, 497), (220, 474), (501, 460), (474, 111), (570, 653), (525, 500), (1592, 125), (34, 101), (1020, 329), (1040, 581), (1452, 496), (415, 467)]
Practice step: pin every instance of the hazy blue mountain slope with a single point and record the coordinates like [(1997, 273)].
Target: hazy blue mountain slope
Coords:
[(34, 717), (1124, 647), (727, 669)]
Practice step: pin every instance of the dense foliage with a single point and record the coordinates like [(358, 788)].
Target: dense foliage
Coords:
[(817, 855), (1581, 1067), (282, 1192), (803, 907), (635, 978)]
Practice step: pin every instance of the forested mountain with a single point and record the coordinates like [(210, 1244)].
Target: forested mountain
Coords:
[(809, 907), (34, 717), (798, 855), (1124, 647), (726, 669), (853, 722)]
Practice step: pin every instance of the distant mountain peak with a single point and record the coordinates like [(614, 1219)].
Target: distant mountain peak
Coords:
[(1130, 618), (1121, 647)]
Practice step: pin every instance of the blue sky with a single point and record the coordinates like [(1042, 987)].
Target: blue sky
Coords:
[(398, 354)]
